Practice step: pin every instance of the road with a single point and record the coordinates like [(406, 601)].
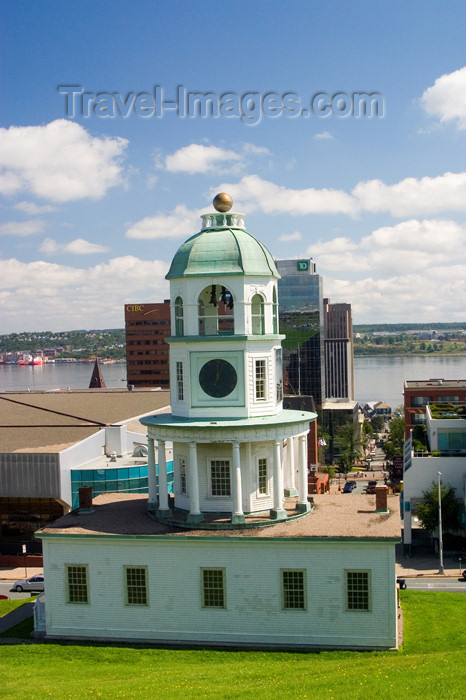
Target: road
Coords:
[(450, 584), (6, 589)]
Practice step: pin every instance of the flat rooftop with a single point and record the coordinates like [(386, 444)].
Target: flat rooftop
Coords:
[(436, 382), (49, 421), (346, 516)]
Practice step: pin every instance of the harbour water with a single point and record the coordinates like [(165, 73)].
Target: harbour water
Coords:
[(375, 378)]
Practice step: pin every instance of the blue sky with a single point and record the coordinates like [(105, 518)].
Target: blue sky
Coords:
[(95, 200)]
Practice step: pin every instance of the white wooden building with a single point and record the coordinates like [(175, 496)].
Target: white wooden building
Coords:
[(236, 555)]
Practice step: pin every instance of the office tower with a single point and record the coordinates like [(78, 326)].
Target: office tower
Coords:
[(339, 373), (147, 326), (301, 321)]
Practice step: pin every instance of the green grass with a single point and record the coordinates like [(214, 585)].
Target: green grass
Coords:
[(7, 606), (431, 665)]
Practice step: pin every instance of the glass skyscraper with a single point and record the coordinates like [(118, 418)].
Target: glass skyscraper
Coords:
[(300, 309)]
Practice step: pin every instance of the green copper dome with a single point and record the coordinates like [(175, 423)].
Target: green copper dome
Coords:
[(222, 250)]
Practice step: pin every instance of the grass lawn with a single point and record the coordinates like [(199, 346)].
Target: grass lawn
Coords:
[(431, 665), (7, 606)]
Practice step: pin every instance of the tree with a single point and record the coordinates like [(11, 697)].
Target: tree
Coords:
[(427, 512), (396, 435), (377, 423), (348, 440)]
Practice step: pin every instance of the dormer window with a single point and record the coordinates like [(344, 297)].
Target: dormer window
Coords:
[(216, 311), (257, 315), (179, 321)]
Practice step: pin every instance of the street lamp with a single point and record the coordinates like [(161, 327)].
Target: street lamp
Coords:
[(440, 534)]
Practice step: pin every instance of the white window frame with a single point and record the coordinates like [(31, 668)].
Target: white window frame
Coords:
[(260, 379), (258, 314), (220, 463), (353, 605), (143, 589), (71, 595), (205, 602), (179, 317), (301, 593), (259, 464), (183, 471), (179, 380)]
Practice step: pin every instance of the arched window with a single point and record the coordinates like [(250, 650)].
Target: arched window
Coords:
[(179, 322), (216, 314), (257, 315), (275, 311)]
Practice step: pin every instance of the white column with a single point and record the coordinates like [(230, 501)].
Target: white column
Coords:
[(194, 515), (290, 485), (237, 515), (163, 509), (277, 512), (151, 477), (303, 503)]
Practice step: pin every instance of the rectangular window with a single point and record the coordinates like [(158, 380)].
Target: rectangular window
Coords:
[(220, 477), (77, 587), (448, 399), (421, 400), (358, 590), (136, 585), (262, 476), (260, 377), (183, 481), (293, 589), (179, 381), (213, 588), (418, 418), (279, 373)]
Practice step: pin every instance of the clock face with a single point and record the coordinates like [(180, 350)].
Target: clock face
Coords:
[(218, 378)]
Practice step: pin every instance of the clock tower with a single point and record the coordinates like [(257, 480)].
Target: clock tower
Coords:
[(236, 452)]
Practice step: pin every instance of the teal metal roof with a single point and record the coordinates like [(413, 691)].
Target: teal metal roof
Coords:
[(285, 417), (222, 251)]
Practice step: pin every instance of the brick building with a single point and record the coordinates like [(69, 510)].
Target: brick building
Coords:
[(147, 326), (420, 393)]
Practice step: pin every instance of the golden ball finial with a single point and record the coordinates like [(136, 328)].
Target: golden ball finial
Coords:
[(222, 202)]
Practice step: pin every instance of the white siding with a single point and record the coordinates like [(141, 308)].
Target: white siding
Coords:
[(253, 613)]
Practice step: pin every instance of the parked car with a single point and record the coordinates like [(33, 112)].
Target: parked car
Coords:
[(347, 488), (370, 488), (35, 583), (352, 483), (401, 582)]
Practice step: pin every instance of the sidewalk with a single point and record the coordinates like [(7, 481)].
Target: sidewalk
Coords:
[(15, 574), (424, 565)]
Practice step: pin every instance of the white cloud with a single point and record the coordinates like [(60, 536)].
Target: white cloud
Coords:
[(197, 158), (324, 136), (22, 228), (406, 247), (77, 247), (446, 98), (34, 209), (79, 297), (49, 246), (181, 222), (286, 237), (412, 197), (252, 192), (59, 161), (414, 297), (255, 150), (409, 197)]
